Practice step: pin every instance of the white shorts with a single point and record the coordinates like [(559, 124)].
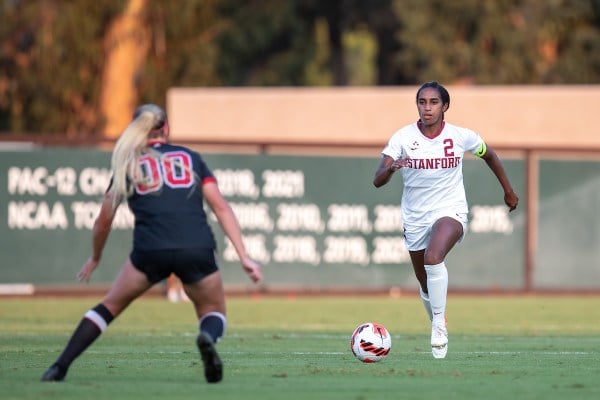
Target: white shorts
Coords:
[(416, 237)]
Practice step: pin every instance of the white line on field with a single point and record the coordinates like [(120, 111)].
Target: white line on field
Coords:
[(337, 353)]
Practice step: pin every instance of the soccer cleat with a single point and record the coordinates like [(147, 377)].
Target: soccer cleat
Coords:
[(439, 341), (54, 373), (213, 368)]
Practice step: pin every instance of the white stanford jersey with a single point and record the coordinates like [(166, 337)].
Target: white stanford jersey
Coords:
[(433, 179)]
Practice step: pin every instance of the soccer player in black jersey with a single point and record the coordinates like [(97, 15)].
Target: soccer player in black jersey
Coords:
[(165, 186)]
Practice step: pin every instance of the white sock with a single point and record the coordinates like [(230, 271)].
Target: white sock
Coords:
[(437, 286), (426, 303)]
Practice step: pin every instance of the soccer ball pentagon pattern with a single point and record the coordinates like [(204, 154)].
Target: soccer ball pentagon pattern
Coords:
[(370, 342)]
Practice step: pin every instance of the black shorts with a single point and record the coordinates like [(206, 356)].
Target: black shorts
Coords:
[(190, 265)]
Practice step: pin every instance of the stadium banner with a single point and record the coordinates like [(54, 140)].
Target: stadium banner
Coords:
[(315, 222)]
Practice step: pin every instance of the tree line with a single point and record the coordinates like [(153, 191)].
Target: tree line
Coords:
[(78, 68)]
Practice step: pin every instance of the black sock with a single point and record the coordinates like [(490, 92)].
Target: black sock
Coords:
[(91, 326), (213, 323)]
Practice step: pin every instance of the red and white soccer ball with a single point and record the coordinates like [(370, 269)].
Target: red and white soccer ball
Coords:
[(370, 342)]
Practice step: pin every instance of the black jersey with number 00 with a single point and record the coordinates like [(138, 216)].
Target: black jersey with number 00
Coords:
[(169, 207)]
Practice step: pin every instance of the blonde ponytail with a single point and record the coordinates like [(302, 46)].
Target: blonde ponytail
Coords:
[(129, 147)]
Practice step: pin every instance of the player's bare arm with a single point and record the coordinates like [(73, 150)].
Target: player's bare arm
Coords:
[(493, 161), (102, 228), (230, 226), (386, 169)]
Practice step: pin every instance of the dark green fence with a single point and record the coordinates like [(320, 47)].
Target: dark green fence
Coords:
[(568, 250)]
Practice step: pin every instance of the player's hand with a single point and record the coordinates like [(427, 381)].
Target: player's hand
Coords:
[(86, 271), (253, 269), (399, 163), (511, 199)]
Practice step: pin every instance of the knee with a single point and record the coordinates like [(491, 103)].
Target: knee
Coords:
[(433, 257)]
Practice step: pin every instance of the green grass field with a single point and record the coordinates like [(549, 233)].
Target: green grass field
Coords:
[(298, 348)]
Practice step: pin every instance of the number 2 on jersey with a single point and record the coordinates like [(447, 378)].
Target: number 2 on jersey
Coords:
[(448, 145)]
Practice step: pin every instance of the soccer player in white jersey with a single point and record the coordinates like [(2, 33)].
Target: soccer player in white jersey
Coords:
[(429, 154)]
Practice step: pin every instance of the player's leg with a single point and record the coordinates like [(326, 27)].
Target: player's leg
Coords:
[(208, 297), (129, 284), (416, 239), (175, 292), (172, 289), (418, 262), (445, 233)]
